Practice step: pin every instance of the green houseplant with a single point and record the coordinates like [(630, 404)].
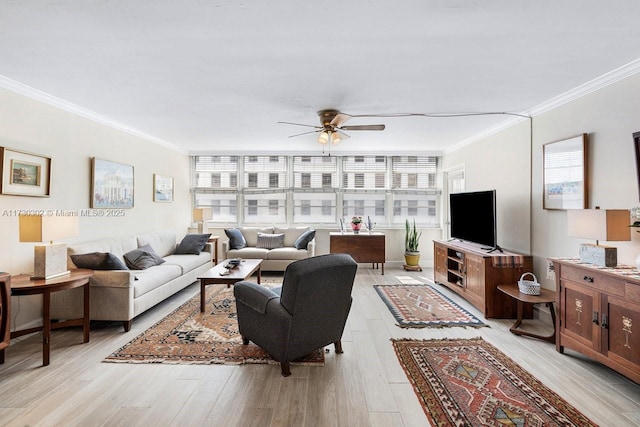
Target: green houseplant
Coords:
[(411, 243)]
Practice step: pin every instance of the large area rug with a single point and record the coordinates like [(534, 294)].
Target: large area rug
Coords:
[(469, 382), (188, 336), (423, 306)]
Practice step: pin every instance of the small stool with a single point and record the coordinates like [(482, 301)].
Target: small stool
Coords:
[(546, 297)]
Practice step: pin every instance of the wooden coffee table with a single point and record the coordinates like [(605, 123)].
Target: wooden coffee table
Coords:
[(214, 277)]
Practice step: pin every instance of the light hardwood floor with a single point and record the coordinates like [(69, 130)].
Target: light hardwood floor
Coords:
[(364, 386)]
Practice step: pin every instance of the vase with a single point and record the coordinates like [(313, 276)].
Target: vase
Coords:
[(356, 227)]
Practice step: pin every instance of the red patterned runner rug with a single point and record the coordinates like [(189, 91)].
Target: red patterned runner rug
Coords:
[(422, 306), (187, 336), (469, 382)]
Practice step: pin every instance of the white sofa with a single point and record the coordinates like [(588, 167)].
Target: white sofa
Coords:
[(121, 295), (273, 259)]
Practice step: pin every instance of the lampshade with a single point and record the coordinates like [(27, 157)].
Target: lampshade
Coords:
[(49, 260), (34, 228), (323, 138), (599, 224), (202, 214)]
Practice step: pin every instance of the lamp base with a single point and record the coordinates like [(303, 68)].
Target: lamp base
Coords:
[(603, 256), (50, 261)]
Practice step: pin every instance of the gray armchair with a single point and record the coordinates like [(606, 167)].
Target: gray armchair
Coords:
[(307, 313)]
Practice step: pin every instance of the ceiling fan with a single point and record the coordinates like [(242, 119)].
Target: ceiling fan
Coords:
[(332, 126)]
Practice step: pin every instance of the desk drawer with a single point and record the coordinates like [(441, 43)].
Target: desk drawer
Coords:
[(593, 279)]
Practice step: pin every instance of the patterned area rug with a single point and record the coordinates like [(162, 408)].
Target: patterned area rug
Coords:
[(422, 306), (188, 336), (468, 382)]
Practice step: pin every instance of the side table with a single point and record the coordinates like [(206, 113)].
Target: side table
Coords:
[(546, 297), (214, 241), (24, 285), (5, 313)]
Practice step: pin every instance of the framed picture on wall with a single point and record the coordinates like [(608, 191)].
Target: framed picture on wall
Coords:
[(162, 188), (24, 174), (111, 184), (565, 173)]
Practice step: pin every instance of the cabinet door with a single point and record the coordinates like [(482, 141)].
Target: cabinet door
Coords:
[(621, 332), (441, 260), (475, 275), (580, 314)]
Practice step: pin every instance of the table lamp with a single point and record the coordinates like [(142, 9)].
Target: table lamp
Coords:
[(49, 260), (201, 216), (599, 224)]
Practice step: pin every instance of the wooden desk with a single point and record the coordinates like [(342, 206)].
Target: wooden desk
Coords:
[(363, 247), (546, 297), (5, 313), (24, 285), (215, 276)]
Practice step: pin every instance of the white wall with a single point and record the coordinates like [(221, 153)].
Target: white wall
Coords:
[(70, 141), (609, 116)]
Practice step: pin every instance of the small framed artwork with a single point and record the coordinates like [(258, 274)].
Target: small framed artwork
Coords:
[(162, 188), (111, 184), (565, 173), (24, 174)]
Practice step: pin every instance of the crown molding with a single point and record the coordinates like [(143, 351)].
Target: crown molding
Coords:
[(38, 95)]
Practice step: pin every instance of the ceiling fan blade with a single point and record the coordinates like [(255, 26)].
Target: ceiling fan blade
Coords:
[(363, 127), (339, 119), (300, 124), (304, 133)]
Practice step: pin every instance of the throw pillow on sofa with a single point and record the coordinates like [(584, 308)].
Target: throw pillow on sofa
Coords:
[(270, 241), (98, 261), (236, 239), (142, 258), (192, 244), (303, 241)]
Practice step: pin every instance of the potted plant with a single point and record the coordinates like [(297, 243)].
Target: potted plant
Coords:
[(356, 223), (411, 242)]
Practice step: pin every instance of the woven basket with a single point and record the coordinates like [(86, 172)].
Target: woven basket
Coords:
[(529, 287)]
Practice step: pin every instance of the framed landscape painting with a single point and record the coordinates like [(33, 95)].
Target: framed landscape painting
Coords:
[(111, 184), (162, 188), (24, 174), (565, 173)]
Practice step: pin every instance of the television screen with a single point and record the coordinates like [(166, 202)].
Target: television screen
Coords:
[(473, 217)]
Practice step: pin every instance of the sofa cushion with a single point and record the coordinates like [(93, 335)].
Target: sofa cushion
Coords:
[(115, 246), (163, 242), (153, 278), (249, 253), (291, 234), (188, 262), (142, 258), (251, 234), (270, 241), (236, 238), (98, 261), (192, 244), (287, 254), (304, 239)]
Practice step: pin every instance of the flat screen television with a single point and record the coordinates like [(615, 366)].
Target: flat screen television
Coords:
[(473, 217)]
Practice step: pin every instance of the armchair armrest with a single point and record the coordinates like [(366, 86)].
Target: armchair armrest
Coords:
[(112, 278), (253, 295)]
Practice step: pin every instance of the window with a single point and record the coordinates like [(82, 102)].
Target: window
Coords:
[(252, 207), (273, 207), (366, 172), (327, 208), (326, 180), (379, 180), (273, 159), (412, 180), (358, 180), (215, 180), (266, 172), (273, 180), (305, 207), (314, 208), (252, 181), (306, 180), (252, 159)]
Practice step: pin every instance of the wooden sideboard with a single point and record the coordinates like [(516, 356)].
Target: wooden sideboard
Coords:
[(599, 313), (363, 247), (475, 274), (5, 313)]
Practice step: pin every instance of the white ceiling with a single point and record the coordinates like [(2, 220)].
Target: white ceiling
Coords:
[(217, 75)]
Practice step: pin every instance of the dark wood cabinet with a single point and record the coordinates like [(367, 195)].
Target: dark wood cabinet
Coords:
[(599, 314), (363, 247), (475, 274), (5, 313)]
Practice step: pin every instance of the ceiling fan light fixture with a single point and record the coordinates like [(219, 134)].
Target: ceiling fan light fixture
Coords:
[(335, 138), (323, 138)]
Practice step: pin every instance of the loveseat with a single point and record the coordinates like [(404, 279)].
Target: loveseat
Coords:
[(121, 293), (277, 247)]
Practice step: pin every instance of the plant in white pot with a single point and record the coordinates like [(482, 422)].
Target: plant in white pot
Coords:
[(411, 242)]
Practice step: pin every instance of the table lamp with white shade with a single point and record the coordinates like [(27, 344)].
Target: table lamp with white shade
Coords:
[(610, 225), (201, 216), (50, 259)]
